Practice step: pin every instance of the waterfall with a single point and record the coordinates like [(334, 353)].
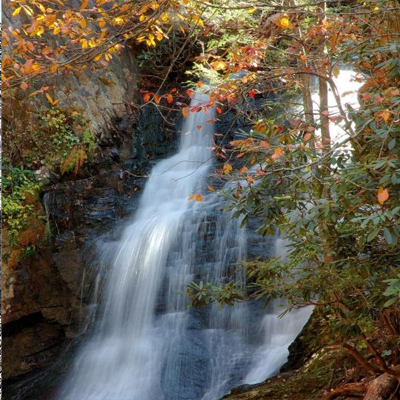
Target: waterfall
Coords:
[(148, 344)]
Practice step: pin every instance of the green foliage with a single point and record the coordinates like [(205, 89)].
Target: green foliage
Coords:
[(20, 193), (337, 205), (64, 139)]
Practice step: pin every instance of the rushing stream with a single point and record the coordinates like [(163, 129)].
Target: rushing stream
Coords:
[(149, 345)]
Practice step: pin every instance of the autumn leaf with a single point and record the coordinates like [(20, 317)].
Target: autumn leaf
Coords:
[(16, 11), (199, 84), (261, 127), (51, 101), (219, 111), (227, 168), (252, 94), (210, 188), (277, 153), (383, 115), (157, 98), (185, 112), (146, 97), (170, 98), (196, 196), (336, 71), (285, 23), (382, 195), (218, 65), (243, 170)]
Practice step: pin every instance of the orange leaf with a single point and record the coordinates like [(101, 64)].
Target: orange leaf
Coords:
[(170, 98), (185, 112), (261, 127), (210, 188), (243, 170), (157, 98), (382, 195), (307, 137), (146, 97), (196, 196), (277, 153), (226, 169), (199, 84)]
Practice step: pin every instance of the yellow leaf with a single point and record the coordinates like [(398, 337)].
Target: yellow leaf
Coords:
[(336, 71), (49, 98), (218, 65), (83, 23), (285, 23), (41, 7), (16, 11), (226, 169), (84, 4), (382, 195)]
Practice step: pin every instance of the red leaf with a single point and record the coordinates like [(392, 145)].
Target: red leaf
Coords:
[(252, 94)]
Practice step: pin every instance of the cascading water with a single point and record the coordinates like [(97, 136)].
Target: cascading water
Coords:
[(149, 345)]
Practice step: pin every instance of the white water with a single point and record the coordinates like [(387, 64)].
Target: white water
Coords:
[(279, 333), (149, 345)]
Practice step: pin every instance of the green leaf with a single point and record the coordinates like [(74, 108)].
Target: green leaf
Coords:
[(372, 235), (390, 302)]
